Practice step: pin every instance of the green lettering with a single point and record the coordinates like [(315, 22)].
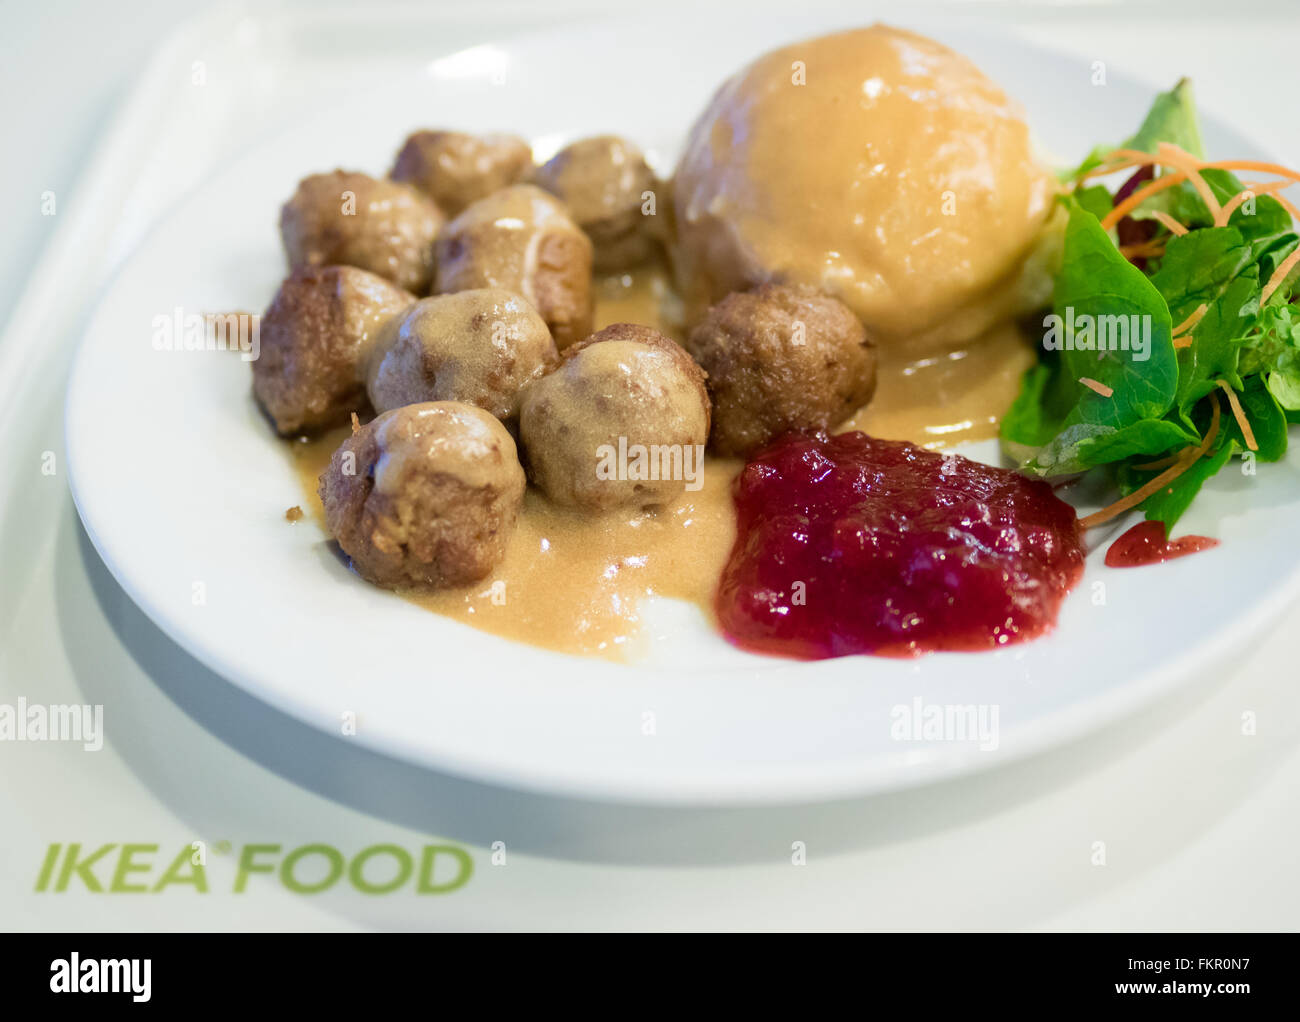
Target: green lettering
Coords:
[(247, 865), (198, 876), (356, 871), (427, 861), (82, 869), (334, 856), (126, 866), (47, 867)]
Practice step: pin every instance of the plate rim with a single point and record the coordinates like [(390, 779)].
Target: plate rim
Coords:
[(1047, 731)]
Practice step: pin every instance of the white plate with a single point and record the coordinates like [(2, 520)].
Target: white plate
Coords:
[(182, 488)]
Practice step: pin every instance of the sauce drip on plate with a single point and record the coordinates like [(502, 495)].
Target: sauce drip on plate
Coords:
[(849, 544), (1145, 543)]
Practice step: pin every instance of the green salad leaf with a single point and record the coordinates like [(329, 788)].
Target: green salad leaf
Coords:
[(1112, 386), (1172, 118)]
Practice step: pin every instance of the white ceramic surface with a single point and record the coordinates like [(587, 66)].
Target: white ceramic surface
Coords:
[(179, 483)]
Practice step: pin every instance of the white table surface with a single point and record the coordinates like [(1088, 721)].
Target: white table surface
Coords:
[(1199, 821)]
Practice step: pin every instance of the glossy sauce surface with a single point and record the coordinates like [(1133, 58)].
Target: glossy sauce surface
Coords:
[(572, 582), (854, 545), (1145, 543)]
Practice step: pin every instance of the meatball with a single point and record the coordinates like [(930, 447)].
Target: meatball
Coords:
[(385, 227), (425, 496), (521, 239), (479, 347), (621, 422), (314, 339), (779, 358), (603, 181), (455, 169)]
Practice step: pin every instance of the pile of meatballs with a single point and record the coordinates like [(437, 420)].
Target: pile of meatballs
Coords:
[(454, 301)]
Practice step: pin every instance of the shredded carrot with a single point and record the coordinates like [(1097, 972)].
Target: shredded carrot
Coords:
[(1289, 206), (1151, 466), (1242, 423), (1191, 320), (1181, 159), (1183, 342), (1213, 431), (1169, 222), (1141, 493), (1279, 275), (1114, 168), (1137, 157), (1249, 192), (1188, 167), (1274, 188), (1184, 461), (1142, 250), (1140, 196), (1263, 168), (1097, 386)]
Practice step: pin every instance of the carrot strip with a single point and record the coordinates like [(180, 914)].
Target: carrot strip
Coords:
[(1242, 423), (1189, 167), (1169, 222), (1142, 250), (1274, 188), (1151, 466), (1183, 342), (1097, 386), (1185, 461), (1191, 320), (1279, 275), (1262, 167), (1249, 192), (1141, 493), (1182, 160), (1289, 206), (1169, 155), (1137, 157), (1140, 196), (1115, 168)]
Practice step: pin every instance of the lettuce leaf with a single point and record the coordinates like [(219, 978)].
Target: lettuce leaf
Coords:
[(1096, 286), (1148, 408)]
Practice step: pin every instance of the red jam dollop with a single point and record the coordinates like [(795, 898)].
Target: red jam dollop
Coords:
[(1145, 543), (848, 544)]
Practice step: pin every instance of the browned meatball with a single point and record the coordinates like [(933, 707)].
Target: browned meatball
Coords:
[(622, 422), (425, 496), (781, 358), (480, 347), (604, 182), (385, 227), (314, 339), (455, 169), (522, 239)]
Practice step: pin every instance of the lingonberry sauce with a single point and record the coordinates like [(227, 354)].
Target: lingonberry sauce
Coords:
[(849, 544), (1145, 543)]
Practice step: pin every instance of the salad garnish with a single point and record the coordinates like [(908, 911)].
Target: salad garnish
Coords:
[(1176, 286)]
